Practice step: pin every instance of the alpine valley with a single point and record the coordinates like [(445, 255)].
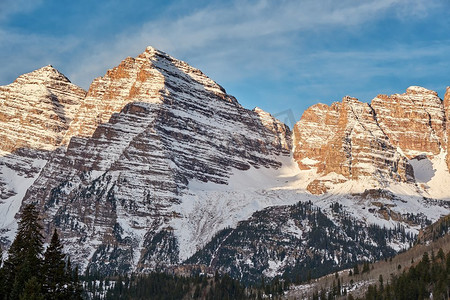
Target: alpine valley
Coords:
[(156, 167)]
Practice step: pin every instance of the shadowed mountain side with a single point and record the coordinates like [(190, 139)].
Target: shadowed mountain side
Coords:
[(357, 284), (317, 235)]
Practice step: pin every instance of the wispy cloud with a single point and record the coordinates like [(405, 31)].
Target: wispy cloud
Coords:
[(11, 7), (288, 43), (243, 35), (32, 51)]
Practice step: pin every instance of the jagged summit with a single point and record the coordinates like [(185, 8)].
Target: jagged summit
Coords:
[(197, 75), (154, 51), (151, 77), (414, 90), (35, 113), (151, 52), (355, 140), (43, 75), (350, 100), (150, 49)]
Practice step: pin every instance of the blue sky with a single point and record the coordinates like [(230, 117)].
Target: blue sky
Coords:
[(278, 55)]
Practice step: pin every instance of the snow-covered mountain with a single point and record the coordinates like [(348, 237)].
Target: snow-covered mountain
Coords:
[(35, 113), (156, 162), (141, 134)]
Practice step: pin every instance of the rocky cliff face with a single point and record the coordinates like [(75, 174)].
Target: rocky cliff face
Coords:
[(414, 121), (377, 140), (346, 139), (447, 114), (36, 110)]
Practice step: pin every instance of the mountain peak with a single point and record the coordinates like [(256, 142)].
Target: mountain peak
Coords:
[(41, 75), (132, 168), (151, 49), (258, 110), (40, 106), (418, 90), (349, 99), (153, 77), (152, 53), (48, 68)]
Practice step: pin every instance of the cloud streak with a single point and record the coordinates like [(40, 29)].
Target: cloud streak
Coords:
[(11, 7), (248, 34), (285, 49)]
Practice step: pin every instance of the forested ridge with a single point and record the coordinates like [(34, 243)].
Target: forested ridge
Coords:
[(304, 240)]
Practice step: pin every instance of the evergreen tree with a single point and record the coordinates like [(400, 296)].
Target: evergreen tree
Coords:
[(75, 290), (2, 278), (380, 280), (32, 290), (366, 267), (55, 279), (25, 253), (417, 282)]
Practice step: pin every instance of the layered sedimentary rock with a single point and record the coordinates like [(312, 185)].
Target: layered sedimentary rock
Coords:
[(36, 110), (144, 130), (156, 156), (447, 115), (345, 139), (414, 121), (353, 139)]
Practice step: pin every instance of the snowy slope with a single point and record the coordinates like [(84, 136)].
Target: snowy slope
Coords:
[(209, 207)]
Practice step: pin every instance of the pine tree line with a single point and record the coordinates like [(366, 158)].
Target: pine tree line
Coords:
[(29, 272), (167, 286), (430, 278)]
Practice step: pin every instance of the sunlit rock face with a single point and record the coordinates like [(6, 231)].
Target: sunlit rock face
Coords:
[(37, 109), (346, 139), (414, 121), (447, 115)]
